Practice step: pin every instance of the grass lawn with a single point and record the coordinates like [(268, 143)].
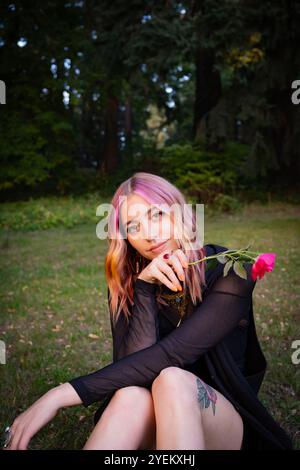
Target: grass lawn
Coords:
[(55, 323)]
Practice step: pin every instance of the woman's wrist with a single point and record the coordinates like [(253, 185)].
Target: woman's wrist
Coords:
[(64, 395), (141, 277)]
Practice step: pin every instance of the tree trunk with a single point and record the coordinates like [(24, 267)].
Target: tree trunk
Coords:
[(207, 93), (110, 160)]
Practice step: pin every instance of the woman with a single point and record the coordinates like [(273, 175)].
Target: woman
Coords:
[(187, 365)]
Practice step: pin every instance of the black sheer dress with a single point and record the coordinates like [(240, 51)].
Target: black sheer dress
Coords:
[(216, 340)]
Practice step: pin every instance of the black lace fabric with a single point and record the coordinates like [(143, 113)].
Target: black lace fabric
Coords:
[(151, 341)]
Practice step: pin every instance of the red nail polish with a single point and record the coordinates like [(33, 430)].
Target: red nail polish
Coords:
[(166, 256)]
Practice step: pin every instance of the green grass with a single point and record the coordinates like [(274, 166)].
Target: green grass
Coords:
[(49, 212), (53, 296)]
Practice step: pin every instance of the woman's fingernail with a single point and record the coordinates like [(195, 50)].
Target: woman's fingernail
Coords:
[(179, 288), (166, 256)]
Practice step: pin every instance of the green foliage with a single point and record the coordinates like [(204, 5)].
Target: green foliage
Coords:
[(45, 213), (141, 56), (256, 55), (208, 176), (226, 203), (36, 151)]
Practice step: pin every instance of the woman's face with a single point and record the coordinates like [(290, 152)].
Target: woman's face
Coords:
[(147, 225)]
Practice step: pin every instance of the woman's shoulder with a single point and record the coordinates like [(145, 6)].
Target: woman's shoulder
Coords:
[(213, 248), (215, 269)]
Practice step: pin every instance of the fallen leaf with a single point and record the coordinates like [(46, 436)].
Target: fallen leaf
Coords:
[(57, 328), (91, 335)]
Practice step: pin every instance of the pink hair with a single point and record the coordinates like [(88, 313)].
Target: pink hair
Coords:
[(119, 261)]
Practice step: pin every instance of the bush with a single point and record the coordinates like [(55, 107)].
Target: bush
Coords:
[(226, 203), (203, 174), (49, 212)]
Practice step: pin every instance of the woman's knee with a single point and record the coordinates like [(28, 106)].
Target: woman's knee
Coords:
[(172, 383), (132, 397), (169, 373), (170, 377)]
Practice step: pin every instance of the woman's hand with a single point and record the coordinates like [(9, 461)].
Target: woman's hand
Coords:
[(28, 423), (164, 269)]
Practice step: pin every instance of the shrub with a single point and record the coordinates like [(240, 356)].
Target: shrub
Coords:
[(204, 174)]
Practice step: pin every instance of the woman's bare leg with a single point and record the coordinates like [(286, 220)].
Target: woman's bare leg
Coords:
[(128, 422), (191, 415)]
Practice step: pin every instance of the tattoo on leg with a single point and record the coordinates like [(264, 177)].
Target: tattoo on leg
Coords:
[(206, 395)]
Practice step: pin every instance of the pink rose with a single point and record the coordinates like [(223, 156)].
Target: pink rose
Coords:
[(264, 263)]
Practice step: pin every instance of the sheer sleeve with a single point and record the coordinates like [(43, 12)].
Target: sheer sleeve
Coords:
[(226, 303), (142, 330)]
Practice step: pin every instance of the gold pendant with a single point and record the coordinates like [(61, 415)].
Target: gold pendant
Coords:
[(178, 301)]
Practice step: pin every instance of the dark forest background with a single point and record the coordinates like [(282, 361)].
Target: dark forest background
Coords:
[(197, 91)]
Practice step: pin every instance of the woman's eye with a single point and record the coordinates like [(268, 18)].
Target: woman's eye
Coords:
[(132, 229)]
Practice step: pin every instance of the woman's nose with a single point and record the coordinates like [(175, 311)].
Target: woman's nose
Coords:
[(150, 231)]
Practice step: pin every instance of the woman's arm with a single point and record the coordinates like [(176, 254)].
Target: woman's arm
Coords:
[(142, 330), (28, 423), (226, 303), (139, 333)]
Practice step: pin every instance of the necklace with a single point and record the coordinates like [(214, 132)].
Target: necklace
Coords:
[(178, 301)]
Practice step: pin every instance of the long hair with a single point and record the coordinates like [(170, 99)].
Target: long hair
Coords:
[(121, 256)]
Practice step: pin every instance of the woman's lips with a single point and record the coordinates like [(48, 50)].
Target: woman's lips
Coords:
[(158, 247)]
